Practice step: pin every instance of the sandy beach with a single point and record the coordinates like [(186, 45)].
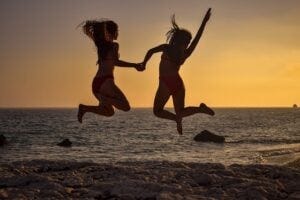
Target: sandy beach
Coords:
[(44, 179)]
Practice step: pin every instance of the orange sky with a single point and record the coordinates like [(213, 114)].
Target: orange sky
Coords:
[(249, 54)]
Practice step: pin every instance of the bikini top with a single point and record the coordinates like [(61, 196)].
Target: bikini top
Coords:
[(108, 58), (110, 55), (165, 56)]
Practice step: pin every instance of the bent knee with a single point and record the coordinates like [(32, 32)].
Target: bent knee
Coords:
[(110, 113), (157, 111), (178, 112), (125, 107)]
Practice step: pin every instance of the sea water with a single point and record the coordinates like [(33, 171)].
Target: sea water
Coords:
[(253, 135)]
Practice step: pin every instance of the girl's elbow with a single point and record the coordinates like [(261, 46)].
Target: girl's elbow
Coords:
[(149, 53)]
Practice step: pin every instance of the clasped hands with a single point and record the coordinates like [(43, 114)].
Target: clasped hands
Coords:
[(140, 66)]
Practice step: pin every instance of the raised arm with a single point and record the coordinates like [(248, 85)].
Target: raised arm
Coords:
[(195, 41), (150, 52)]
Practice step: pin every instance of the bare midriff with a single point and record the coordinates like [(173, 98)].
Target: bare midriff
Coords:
[(106, 67), (168, 67)]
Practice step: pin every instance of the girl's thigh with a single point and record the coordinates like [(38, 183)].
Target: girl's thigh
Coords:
[(178, 100), (161, 97), (111, 90)]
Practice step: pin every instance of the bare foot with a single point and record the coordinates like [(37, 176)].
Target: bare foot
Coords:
[(179, 126), (80, 113), (205, 109)]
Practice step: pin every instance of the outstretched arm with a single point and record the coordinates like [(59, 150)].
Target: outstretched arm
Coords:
[(137, 66), (121, 63), (152, 51), (195, 41)]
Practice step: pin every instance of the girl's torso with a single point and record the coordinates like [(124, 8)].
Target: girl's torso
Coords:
[(106, 65), (171, 60)]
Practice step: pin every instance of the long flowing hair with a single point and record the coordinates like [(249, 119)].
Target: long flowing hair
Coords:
[(175, 37), (99, 31)]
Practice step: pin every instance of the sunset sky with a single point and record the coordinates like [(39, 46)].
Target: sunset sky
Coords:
[(249, 54)]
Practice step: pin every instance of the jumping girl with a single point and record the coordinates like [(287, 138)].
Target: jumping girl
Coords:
[(103, 33), (173, 56)]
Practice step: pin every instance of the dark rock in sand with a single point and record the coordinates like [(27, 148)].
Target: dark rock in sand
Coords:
[(3, 140), (65, 143), (206, 136), (204, 179)]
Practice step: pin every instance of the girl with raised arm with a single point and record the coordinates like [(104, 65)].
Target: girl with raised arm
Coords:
[(103, 33), (173, 56)]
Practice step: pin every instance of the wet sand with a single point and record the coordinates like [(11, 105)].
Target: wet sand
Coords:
[(43, 179)]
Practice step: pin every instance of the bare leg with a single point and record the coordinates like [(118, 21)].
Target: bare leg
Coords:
[(178, 100), (191, 110), (102, 109), (111, 94), (120, 104), (205, 109), (161, 98)]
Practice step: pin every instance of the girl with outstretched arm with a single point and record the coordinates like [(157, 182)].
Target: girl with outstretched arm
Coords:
[(103, 33), (174, 54)]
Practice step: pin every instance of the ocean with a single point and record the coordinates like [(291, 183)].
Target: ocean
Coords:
[(253, 135)]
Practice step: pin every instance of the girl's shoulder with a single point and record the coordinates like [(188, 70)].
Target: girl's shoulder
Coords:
[(115, 47), (115, 44), (165, 47)]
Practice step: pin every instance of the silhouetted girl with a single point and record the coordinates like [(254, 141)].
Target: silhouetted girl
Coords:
[(103, 33), (173, 56)]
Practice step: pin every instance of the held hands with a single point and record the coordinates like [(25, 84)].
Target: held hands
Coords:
[(140, 67)]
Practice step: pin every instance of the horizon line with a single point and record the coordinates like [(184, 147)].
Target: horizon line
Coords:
[(138, 107)]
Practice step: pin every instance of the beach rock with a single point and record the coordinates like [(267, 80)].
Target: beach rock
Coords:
[(206, 136), (65, 143), (204, 179), (3, 140)]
